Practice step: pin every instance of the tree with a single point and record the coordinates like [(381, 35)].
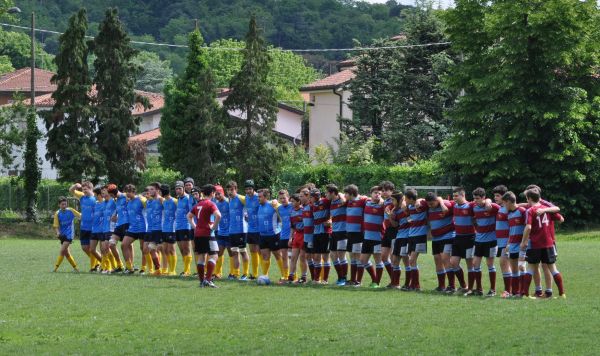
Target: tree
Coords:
[(5, 65), (71, 146), (530, 113), (192, 126), (11, 133), (17, 47), (155, 72), (31, 172), (115, 80), (256, 151)]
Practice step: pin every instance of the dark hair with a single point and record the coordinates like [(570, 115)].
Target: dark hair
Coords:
[(98, 189), (165, 189), (265, 192), (398, 196), (129, 188), (459, 190), (500, 189), (315, 192), (295, 197), (411, 194), (155, 185), (310, 186), (231, 184), (431, 196), (509, 197), (207, 189), (375, 188), (61, 199), (533, 186), (387, 185), (532, 194), (351, 189), (479, 192), (332, 188)]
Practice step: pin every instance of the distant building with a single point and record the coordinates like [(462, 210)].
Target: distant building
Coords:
[(19, 81)]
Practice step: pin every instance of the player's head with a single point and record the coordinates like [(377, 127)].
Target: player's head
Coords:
[(310, 186), (305, 196), (479, 196), (350, 191), (87, 188), (387, 188), (432, 200), (219, 193), (153, 189), (195, 192), (375, 192), (332, 191), (129, 191), (296, 200), (509, 199), (264, 195), (499, 192), (62, 203), (112, 190), (411, 196), (532, 195), (188, 184), (535, 187), (208, 191), (165, 190), (249, 187), (98, 192), (397, 197), (315, 195), (232, 188), (179, 188), (283, 196)]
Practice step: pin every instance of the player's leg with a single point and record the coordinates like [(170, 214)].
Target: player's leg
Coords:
[(386, 253), (476, 287), (363, 262), (515, 282), (293, 264), (379, 266), (93, 248), (265, 254), (492, 274), (61, 255), (503, 254), (128, 254), (220, 259), (547, 280), (69, 256), (436, 250), (396, 269), (549, 262), (537, 280), (115, 252)]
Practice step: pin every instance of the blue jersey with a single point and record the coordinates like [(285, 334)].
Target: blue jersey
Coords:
[(285, 213), (135, 210), (223, 207), (442, 227), (354, 214), (154, 211), (110, 209), (418, 219), (236, 214), (267, 220), (308, 223), (485, 231), (373, 220), (168, 218), (63, 220), (502, 227), (98, 222), (86, 205), (252, 210), (183, 208), (337, 211), (122, 215)]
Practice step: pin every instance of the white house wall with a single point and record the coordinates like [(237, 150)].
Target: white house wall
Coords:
[(324, 127)]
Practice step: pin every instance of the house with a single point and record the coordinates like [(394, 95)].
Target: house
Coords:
[(19, 81)]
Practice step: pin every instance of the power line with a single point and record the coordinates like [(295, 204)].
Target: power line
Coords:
[(239, 49)]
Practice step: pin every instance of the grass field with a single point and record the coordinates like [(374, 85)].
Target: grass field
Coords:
[(67, 313)]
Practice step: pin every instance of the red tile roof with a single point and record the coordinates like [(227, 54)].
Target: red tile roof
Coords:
[(149, 135), (20, 80), (331, 82)]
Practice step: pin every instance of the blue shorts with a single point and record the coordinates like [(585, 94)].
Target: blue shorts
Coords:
[(84, 237), (223, 241)]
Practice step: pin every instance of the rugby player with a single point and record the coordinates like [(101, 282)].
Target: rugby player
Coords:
[(417, 236), (85, 193), (373, 232), (63, 225), (440, 217), (183, 231), (339, 239)]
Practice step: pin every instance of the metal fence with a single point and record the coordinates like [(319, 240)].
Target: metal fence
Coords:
[(13, 200)]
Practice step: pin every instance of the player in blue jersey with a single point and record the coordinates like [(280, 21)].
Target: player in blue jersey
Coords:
[(502, 236), (110, 219), (285, 237), (168, 228), (183, 231), (121, 223), (85, 193), (355, 205), (236, 231), (98, 235), (222, 234), (153, 239), (417, 236), (252, 235), (137, 226), (269, 230), (63, 225), (516, 226)]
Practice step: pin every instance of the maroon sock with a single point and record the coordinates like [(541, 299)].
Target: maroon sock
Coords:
[(451, 279), (378, 275), (507, 283), (516, 285), (317, 273), (478, 280), (156, 262), (492, 280), (414, 279), (388, 268), (200, 270), (344, 268), (210, 267), (371, 270), (408, 278), (338, 270), (559, 283), (326, 270), (460, 275), (471, 276), (311, 268), (395, 278), (525, 283), (441, 280), (353, 269), (359, 273)]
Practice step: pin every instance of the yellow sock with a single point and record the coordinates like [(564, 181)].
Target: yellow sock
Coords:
[(58, 262), (187, 264), (113, 260), (93, 261), (286, 272), (119, 263), (219, 266), (265, 269), (255, 257), (72, 261), (173, 264), (129, 265), (322, 274), (231, 266), (245, 266), (280, 265), (149, 263)]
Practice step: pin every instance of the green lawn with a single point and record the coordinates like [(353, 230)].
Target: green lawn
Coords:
[(67, 313)]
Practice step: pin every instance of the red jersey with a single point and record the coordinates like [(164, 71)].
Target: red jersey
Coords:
[(542, 227), (203, 211)]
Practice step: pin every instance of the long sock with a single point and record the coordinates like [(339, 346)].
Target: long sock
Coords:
[(471, 277), (58, 262), (478, 279), (104, 262), (525, 283), (254, 257), (451, 274), (396, 276), (344, 268), (360, 269), (280, 266), (90, 257), (245, 266), (173, 264), (388, 267), (507, 278), (149, 262), (210, 268), (379, 272), (187, 264), (311, 268), (408, 278), (353, 268), (441, 276), (326, 269), (559, 282), (72, 261), (232, 267), (145, 262), (338, 268), (415, 277), (156, 261), (219, 267), (516, 283), (460, 275), (318, 268), (120, 263), (492, 274), (129, 265), (371, 270), (266, 266), (200, 270)]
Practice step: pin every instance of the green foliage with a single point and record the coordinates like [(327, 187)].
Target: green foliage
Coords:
[(32, 173), (155, 72), (322, 154), (11, 132), (115, 81), (17, 47), (13, 194), (5, 65), (530, 113), (193, 125), (71, 146), (354, 152), (154, 172)]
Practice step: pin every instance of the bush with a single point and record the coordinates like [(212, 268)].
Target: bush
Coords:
[(156, 173), (12, 194)]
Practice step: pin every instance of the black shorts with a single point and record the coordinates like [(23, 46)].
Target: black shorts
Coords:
[(354, 238), (121, 230), (339, 241), (168, 237), (486, 249), (237, 240), (282, 244), (98, 236), (85, 236), (543, 255), (501, 251), (308, 247), (389, 236), (206, 244), (321, 243), (441, 246), (417, 244), (184, 235), (462, 246), (136, 235), (155, 236), (63, 238), (400, 247), (253, 238), (371, 246), (269, 242)]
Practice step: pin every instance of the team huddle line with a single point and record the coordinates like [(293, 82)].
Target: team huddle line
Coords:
[(313, 229)]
